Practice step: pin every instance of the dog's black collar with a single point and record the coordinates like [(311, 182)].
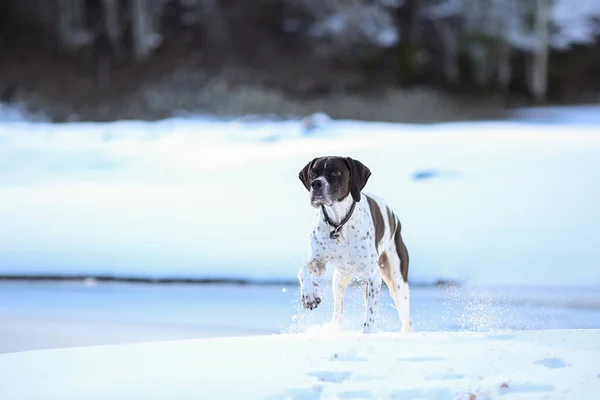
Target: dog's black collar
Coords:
[(335, 233)]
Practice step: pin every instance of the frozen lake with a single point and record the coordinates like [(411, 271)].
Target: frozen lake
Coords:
[(42, 315), (507, 203)]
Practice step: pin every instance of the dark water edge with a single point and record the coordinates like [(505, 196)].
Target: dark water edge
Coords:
[(191, 281)]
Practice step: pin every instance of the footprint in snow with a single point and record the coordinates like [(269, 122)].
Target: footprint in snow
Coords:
[(553, 362), (312, 393), (444, 376), (430, 393), (347, 356), (367, 378), (421, 359), (331, 376), (500, 336), (506, 388), (355, 394)]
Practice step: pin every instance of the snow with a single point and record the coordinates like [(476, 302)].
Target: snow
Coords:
[(567, 115), (483, 203), (368, 21), (18, 113), (444, 9), (577, 22), (324, 364), (574, 22), (508, 208)]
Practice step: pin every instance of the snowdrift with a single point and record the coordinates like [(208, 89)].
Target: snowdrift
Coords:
[(558, 364)]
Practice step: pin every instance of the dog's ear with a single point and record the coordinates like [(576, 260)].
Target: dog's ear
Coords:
[(359, 175), (303, 175)]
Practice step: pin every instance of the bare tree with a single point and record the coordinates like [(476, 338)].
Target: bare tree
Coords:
[(108, 45), (145, 21), (504, 65), (352, 29), (539, 67), (507, 12), (111, 22), (447, 18), (140, 22), (451, 47), (72, 27), (210, 10)]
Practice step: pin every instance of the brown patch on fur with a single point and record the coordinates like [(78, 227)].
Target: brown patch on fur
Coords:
[(378, 222), (392, 221), (402, 253), (384, 266)]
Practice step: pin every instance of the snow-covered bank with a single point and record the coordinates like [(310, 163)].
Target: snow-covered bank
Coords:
[(19, 113), (559, 364), (504, 202), (568, 115)]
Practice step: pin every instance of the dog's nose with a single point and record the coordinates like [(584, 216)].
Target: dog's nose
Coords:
[(316, 184)]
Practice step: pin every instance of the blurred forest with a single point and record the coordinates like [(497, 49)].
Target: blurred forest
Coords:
[(394, 60)]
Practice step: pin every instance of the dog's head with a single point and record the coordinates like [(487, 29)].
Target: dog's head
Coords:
[(330, 179)]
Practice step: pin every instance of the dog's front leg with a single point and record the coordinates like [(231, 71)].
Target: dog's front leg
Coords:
[(372, 298), (314, 268), (340, 285)]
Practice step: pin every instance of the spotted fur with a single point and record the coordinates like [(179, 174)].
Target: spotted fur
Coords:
[(370, 243)]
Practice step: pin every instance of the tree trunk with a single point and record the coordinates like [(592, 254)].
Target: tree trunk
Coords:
[(65, 27), (71, 24), (506, 10), (504, 65), (215, 23), (539, 70), (111, 22), (108, 46), (414, 31), (450, 45), (480, 61), (140, 22)]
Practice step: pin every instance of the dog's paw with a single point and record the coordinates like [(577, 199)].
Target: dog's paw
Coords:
[(310, 300)]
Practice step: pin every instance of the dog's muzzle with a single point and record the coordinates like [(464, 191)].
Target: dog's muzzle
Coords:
[(318, 193)]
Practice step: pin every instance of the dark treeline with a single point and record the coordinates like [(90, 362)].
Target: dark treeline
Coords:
[(313, 47)]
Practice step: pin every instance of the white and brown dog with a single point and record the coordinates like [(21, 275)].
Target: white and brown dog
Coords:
[(358, 235)]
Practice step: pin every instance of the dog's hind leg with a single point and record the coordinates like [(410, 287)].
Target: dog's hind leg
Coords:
[(340, 285), (402, 301), (389, 262)]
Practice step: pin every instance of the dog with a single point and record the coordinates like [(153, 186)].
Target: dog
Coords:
[(357, 234)]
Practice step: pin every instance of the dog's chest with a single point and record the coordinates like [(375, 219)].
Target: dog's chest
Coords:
[(353, 251)]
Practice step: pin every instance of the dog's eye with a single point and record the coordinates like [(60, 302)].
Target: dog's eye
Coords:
[(337, 172)]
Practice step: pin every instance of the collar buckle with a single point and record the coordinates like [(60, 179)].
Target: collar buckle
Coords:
[(335, 233)]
